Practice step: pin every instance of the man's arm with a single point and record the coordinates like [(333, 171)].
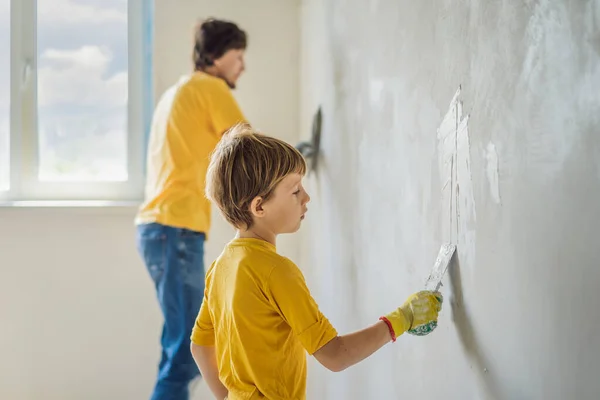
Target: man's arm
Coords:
[(206, 360), (344, 351), (225, 110)]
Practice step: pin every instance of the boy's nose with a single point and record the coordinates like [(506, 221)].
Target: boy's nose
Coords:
[(307, 198)]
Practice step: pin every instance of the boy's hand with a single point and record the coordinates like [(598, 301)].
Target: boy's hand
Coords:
[(426, 325), (418, 315)]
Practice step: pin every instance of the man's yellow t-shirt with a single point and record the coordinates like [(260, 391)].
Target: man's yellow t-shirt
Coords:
[(261, 318), (188, 122)]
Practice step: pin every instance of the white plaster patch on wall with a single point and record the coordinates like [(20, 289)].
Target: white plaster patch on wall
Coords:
[(458, 202), (492, 170), (597, 159), (465, 209), (446, 135), (376, 91)]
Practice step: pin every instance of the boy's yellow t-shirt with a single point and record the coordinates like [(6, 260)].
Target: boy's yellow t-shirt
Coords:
[(261, 318), (188, 122)]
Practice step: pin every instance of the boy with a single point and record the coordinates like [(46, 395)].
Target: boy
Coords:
[(258, 316), (174, 220)]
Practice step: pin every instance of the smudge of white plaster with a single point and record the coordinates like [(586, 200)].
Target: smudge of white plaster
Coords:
[(446, 135), (454, 160), (465, 216), (597, 160), (491, 157), (376, 91)]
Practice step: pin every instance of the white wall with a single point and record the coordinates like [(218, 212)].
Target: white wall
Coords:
[(78, 311), (518, 191)]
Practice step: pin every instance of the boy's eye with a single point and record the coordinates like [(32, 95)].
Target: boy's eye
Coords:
[(297, 191)]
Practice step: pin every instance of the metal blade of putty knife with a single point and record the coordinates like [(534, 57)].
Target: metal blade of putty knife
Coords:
[(434, 281)]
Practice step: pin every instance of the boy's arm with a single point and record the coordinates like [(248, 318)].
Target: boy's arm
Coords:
[(344, 351), (291, 297), (206, 360), (203, 344)]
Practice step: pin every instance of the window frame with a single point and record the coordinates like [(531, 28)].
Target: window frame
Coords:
[(23, 134)]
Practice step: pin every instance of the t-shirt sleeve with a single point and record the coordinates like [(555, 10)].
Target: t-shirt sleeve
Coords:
[(203, 332), (291, 297), (225, 109)]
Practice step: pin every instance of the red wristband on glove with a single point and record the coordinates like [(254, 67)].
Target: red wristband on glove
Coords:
[(389, 324)]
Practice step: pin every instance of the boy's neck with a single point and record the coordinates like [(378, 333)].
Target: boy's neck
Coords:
[(255, 233)]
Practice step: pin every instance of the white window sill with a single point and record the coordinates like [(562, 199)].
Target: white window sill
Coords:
[(85, 206), (70, 203)]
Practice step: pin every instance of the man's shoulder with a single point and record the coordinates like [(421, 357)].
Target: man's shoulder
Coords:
[(192, 88), (200, 82)]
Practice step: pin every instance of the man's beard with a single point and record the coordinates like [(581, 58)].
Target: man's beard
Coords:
[(231, 85)]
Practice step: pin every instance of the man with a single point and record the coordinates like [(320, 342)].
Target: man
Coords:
[(174, 220)]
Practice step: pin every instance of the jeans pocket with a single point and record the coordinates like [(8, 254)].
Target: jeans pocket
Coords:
[(190, 253), (188, 233), (152, 241)]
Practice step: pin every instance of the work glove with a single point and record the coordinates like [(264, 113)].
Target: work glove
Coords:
[(418, 315)]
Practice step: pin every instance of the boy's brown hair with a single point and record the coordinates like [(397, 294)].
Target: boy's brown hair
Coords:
[(246, 164)]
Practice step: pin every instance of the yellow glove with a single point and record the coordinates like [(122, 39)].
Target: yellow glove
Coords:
[(418, 315)]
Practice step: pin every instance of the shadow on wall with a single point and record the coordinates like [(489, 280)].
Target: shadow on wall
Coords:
[(467, 335)]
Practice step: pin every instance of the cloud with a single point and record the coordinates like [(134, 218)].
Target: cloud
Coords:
[(74, 12), (4, 9), (82, 87), (78, 77), (67, 76)]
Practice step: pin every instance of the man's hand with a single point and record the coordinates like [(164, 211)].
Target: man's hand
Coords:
[(418, 314)]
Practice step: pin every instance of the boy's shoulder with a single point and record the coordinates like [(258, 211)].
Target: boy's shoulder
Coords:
[(260, 254), (266, 252), (282, 267)]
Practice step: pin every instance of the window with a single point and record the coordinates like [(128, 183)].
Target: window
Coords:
[(4, 94), (73, 99)]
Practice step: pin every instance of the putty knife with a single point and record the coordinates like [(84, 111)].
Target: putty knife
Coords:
[(434, 281)]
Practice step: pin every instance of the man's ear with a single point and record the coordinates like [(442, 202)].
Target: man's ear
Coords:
[(256, 207)]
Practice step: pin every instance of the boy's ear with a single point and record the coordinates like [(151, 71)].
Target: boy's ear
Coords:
[(256, 207)]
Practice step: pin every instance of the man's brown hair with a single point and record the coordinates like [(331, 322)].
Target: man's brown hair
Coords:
[(246, 164), (213, 38)]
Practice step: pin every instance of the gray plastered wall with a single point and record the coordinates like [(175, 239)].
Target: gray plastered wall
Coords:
[(471, 121)]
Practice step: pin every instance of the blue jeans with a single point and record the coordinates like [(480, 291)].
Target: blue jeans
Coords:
[(174, 258)]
